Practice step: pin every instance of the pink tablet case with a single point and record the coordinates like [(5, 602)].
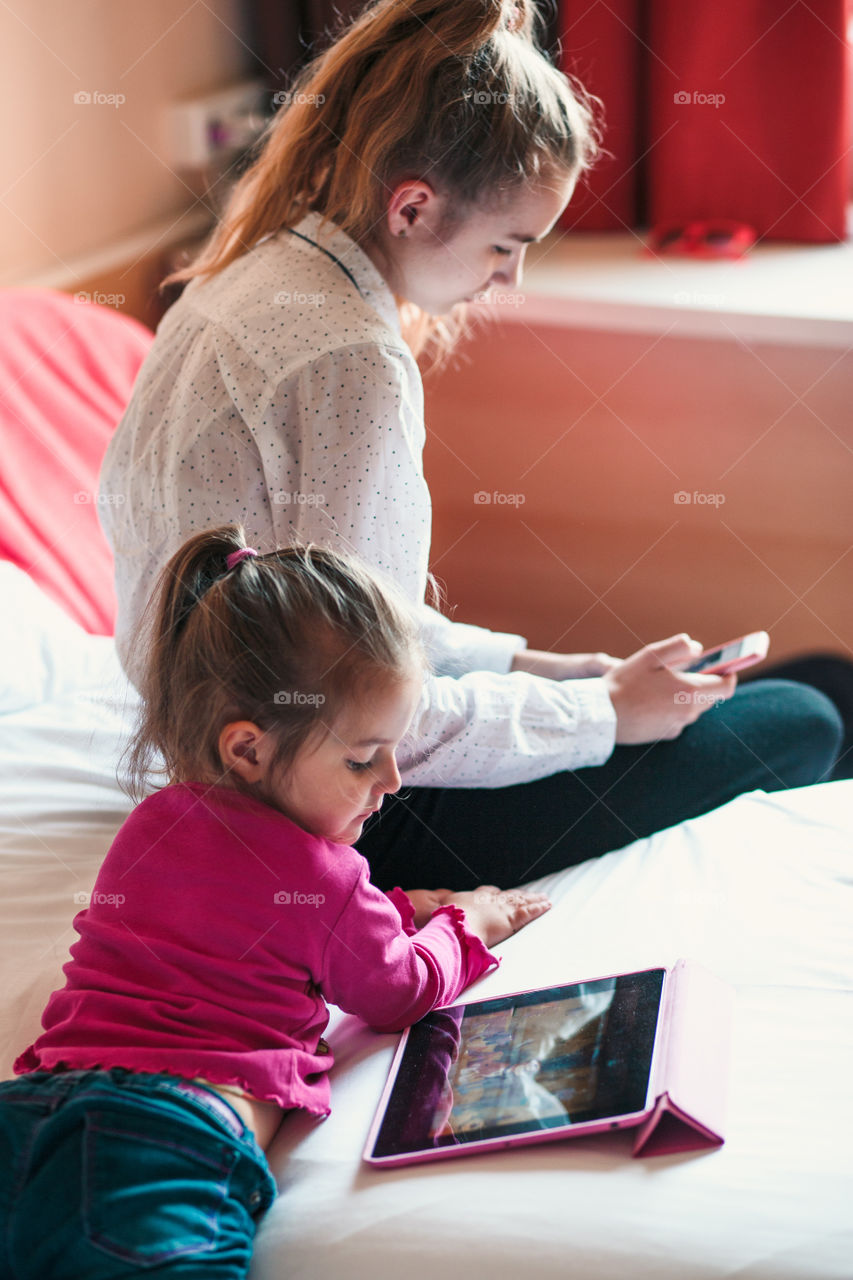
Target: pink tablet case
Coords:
[(690, 1082), (688, 1085)]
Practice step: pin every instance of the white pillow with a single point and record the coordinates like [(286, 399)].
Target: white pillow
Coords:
[(44, 655)]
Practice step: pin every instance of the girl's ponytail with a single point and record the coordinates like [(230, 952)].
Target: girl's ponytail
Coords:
[(454, 92), (183, 584), (192, 572), (284, 640)]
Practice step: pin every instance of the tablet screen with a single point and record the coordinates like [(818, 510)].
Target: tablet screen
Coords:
[(540, 1060)]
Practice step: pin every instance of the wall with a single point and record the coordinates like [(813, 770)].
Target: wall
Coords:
[(77, 176), (583, 439)]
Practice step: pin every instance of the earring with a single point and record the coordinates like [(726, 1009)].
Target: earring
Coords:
[(401, 232)]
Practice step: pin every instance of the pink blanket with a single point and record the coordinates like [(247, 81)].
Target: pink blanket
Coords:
[(66, 371)]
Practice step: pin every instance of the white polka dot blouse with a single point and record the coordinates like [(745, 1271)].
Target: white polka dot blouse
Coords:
[(281, 394)]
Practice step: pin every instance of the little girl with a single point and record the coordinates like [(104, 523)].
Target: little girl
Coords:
[(230, 907)]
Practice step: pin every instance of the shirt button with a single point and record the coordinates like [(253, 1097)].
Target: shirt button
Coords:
[(255, 1199), (322, 1047)]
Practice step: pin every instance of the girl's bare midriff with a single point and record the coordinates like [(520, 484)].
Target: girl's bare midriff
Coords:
[(262, 1117)]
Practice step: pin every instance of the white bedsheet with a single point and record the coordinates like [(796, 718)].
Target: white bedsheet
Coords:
[(761, 892)]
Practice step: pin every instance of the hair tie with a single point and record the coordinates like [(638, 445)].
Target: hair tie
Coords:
[(234, 557)]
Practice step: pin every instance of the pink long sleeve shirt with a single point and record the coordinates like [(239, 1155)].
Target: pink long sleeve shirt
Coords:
[(216, 932)]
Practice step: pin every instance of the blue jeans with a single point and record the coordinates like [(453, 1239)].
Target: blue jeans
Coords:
[(120, 1173)]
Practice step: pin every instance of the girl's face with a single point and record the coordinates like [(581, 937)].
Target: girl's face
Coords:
[(331, 789), (483, 251)]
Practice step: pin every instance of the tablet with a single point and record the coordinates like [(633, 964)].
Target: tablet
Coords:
[(534, 1066)]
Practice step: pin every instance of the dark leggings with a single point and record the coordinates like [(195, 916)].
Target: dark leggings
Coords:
[(771, 735)]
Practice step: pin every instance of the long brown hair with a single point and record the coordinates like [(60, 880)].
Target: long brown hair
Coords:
[(284, 640), (454, 92)]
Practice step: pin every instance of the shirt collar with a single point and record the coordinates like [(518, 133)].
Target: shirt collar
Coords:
[(372, 284)]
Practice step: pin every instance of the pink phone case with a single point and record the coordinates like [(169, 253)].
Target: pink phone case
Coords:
[(685, 1106), (760, 643)]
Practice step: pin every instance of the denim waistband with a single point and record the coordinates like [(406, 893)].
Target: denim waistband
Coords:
[(209, 1099), (196, 1096)]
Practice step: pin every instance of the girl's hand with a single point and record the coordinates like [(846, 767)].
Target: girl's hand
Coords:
[(564, 666), (494, 915), (653, 699), (425, 901)]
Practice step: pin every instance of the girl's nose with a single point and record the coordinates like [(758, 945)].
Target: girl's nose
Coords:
[(391, 780), (512, 274)]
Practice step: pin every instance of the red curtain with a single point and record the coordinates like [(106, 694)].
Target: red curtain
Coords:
[(738, 111)]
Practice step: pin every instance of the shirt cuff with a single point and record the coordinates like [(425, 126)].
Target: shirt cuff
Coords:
[(477, 959), (405, 909), (495, 650), (455, 648), (596, 718)]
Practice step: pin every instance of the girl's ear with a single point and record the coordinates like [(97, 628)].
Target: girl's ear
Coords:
[(411, 202), (245, 749)]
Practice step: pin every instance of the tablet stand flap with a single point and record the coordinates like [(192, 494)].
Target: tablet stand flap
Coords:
[(689, 1110)]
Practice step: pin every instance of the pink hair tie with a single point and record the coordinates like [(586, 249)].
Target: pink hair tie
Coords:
[(236, 556)]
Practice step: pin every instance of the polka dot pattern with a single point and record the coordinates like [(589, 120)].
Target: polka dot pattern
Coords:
[(281, 394)]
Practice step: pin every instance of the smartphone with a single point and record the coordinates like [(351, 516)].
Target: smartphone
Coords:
[(733, 656)]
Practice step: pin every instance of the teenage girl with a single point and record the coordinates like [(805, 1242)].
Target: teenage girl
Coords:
[(414, 161), (229, 908)]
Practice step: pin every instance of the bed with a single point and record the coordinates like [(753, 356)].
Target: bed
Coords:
[(759, 891)]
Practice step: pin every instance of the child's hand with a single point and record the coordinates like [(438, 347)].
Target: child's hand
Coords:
[(494, 915), (425, 901)]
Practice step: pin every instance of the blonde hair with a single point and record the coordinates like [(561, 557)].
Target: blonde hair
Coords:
[(285, 640), (453, 92)]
